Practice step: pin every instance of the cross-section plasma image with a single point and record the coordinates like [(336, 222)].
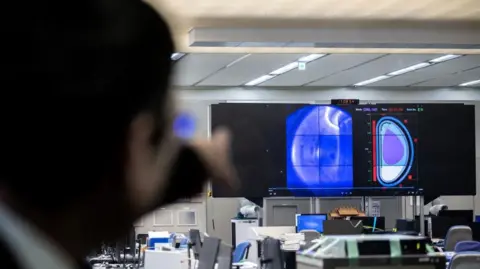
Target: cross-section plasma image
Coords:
[(393, 150)]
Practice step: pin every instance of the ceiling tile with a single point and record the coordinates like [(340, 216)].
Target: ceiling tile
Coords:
[(320, 68), (373, 69), (452, 79), (192, 68), (428, 73), (249, 68)]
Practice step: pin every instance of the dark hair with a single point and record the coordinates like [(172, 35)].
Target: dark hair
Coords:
[(75, 73)]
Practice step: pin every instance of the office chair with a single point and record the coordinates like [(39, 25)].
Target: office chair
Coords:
[(224, 258), (467, 246), (465, 261), (209, 253), (457, 234), (272, 256), (241, 252)]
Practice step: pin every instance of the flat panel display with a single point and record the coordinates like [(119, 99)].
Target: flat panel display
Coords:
[(309, 222), (364, 150)]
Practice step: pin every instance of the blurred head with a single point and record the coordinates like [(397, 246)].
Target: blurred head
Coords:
[(85, 111)]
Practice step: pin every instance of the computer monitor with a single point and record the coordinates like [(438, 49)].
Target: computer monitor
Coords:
[(405, 225), (310, 222), (342, 227), (441, 225), (466, 215), (475, 226), (371, 224)]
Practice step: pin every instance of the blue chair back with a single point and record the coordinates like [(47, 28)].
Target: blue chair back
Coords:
[(467, 246), (241, 252)]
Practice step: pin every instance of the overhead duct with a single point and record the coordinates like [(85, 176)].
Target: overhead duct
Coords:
[(419, 37)]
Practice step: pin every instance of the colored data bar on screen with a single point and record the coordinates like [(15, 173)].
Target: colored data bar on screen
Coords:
[(374, 149)]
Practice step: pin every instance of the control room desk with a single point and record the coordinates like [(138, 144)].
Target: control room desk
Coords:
[(176, 259)]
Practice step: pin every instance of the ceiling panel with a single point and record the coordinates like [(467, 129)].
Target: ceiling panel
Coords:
[(373, 69), (320, 68), (428, 73), (192, 68), (325, 9), (249, 68), (453, 79)]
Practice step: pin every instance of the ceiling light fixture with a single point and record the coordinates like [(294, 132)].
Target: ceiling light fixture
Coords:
[(284, 69), (444, 58), (470, 83), (372, 80), (408, 69), (176, 56), (311, 57), (259, 80), (237, 60)]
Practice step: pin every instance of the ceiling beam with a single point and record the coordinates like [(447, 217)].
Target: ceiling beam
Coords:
[(421, 36), (312, 94)]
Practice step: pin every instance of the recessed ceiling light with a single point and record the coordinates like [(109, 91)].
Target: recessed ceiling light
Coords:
[(259, 80), (470, 83), (444, 58), (284, 69), (408, 69), (370, 81), (311, 57)]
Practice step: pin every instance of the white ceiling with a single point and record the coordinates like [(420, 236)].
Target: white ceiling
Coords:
[(338, 70), (320, 9), (184, 15)]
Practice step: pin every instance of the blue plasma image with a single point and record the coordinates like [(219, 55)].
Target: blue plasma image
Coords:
[(184, 126), (394, 152), (319, 150)]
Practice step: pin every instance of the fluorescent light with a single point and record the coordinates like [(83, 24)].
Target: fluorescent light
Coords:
[(281, 70), (237, 60), (259, 80), (444, 58), (470, 83), (176, 56), (284, 69), (408, 69), (311, 57), (372, 80)]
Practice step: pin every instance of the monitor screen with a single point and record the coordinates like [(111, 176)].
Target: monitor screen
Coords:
[(310, 222), (357, 150)]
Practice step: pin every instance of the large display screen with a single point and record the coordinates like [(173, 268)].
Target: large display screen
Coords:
[(363, 150)]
